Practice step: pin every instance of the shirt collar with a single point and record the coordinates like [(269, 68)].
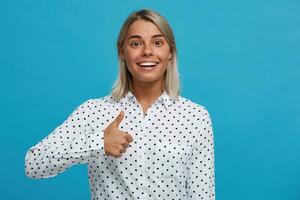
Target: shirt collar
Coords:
[(164, 99)]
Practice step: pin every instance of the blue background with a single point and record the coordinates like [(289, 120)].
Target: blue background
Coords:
[(239, 59)]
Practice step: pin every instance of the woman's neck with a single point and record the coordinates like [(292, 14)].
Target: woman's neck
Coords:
[(147, 93)]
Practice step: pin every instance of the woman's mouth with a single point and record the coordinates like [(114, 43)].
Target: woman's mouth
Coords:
[(147, 64)]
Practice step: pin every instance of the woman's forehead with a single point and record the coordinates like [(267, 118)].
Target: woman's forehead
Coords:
[(143, 28)]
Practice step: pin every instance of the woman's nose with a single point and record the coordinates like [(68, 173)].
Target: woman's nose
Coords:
[(147, 51)]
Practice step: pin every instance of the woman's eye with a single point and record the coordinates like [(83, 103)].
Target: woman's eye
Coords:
[(158, 43), (135, 44)]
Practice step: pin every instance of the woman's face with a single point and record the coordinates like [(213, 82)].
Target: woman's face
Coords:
[(146, 52)]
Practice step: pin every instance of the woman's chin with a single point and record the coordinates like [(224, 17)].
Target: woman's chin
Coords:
[(147, 79)]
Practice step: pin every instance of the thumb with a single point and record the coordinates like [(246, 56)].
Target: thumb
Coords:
[(119, 119)]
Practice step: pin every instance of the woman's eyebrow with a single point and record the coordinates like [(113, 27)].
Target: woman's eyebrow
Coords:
[(138, 36), (158, 35), (134, 36)]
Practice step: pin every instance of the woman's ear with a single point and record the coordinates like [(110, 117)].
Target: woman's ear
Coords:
[(170, 55), (121, 53)]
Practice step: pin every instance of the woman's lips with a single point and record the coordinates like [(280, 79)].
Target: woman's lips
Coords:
[(147, 64)]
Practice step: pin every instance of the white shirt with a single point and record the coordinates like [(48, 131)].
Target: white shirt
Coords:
[(171, 156)]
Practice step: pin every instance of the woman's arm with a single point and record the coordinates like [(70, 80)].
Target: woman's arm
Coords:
[(201, 179), (73, 142)]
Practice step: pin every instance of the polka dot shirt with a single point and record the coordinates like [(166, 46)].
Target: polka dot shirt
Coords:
[(171, 156)]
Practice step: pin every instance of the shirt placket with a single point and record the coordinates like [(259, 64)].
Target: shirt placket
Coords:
[(143, 153)]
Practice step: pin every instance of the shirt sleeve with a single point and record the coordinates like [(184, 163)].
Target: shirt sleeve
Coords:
[(201, 177), (73, 142)]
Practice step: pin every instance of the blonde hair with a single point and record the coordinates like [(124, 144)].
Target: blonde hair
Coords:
[(171, 81)]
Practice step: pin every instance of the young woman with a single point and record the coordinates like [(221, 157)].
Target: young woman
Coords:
[(142, 141)]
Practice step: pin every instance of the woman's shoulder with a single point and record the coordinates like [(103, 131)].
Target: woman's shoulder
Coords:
[(191, 105), (104, 101)]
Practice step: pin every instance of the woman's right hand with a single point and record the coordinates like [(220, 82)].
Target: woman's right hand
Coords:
[(116, 141)]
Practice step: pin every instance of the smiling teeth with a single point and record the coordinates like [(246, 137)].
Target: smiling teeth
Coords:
[(147, 63)]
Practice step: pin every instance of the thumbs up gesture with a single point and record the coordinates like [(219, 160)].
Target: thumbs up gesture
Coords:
[(116, 141)]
